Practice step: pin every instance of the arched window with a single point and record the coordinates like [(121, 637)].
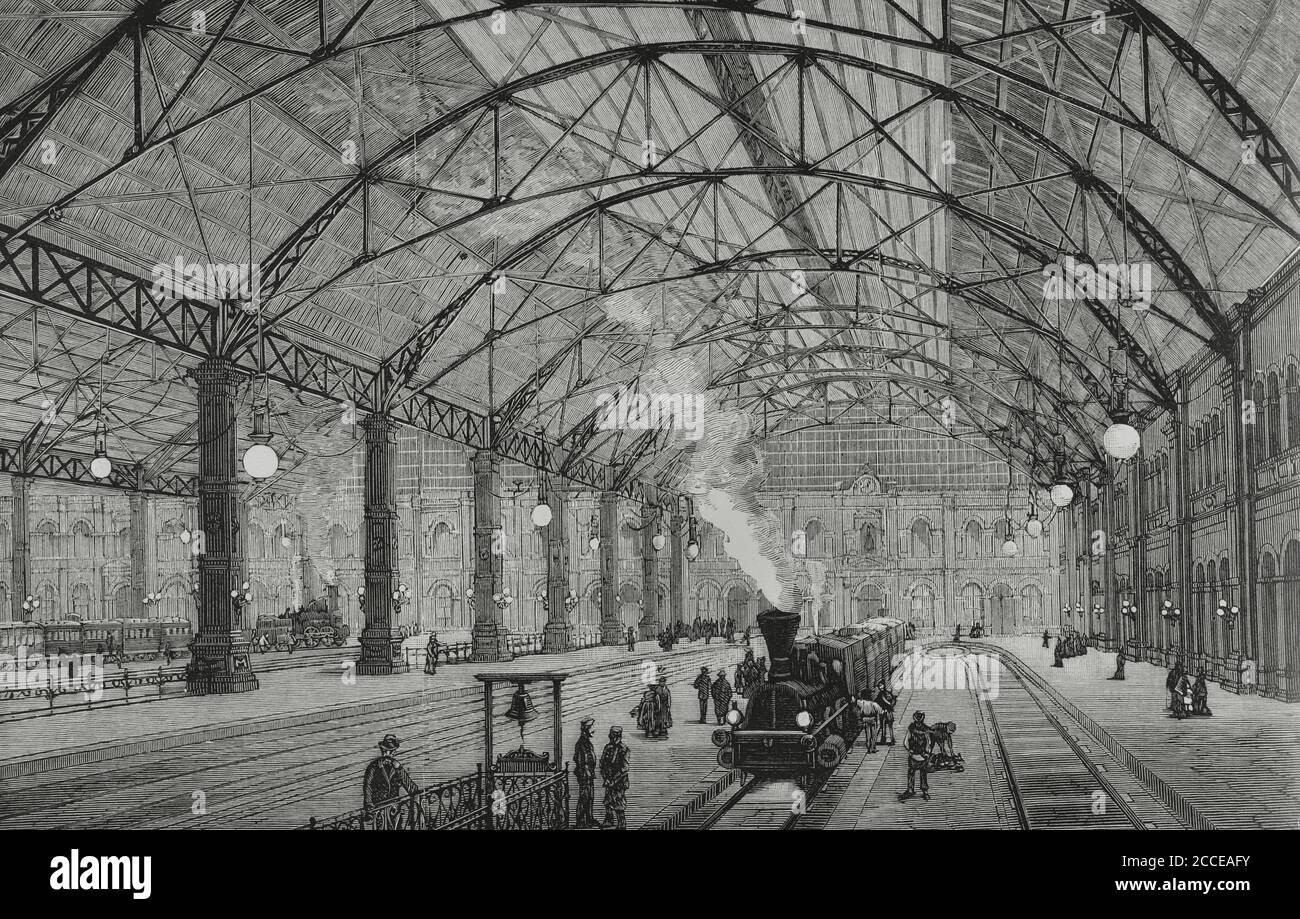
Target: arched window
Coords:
[(5, 549), (628, 606), (83, 542), (1271, 625), (1218, 451), (1274, 416), (869, 603), (1031, 607), (444, 546), (707, 601), (1261, 415), (738, 605), (1164, 480), (921, 538), (812, 535), (869, 539), (51, 609), (1292, 407), (1207, 457), (45, 542), (123, 543), (81, 600), (974, 538), (922, 613), (444, 611), (1289, 613), (971, 603)]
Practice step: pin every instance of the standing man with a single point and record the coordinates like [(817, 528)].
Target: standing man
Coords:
[(614, 762), (664, 710), (721, 692), (886, 699), (702, 684), (631, 638), (918, 756), (1045, 638), (431, 652), (870, 712), (385, 777), (584, 769)]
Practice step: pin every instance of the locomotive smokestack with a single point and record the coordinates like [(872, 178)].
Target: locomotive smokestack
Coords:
[(779, 629)]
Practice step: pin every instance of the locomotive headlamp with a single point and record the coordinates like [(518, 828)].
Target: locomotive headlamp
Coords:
[(803, 719), (733, 717)]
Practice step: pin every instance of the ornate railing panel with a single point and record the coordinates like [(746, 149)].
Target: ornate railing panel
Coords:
[(431, 808)]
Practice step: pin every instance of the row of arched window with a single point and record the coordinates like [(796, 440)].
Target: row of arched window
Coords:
[(81, 542), (1156, 482), (1207, 445), (1274, 431)]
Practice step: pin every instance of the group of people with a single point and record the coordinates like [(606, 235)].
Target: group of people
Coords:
[(679, 631), (615, 773), (976, 631), (750, 672), (654, 713), (929, 749), (1068, 644), (1187, 698), (718, 689)]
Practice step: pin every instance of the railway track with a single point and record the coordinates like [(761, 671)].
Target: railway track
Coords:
[(757, 804), (1055, 784)]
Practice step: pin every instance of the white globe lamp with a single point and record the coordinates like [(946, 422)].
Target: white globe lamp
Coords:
[(1062, 494), (261, 461), (1122, 441)]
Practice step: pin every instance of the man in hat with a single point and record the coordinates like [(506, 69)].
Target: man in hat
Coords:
[(385, 777), (917, 743), (631, 638), (584, 769), (664, 710), (614, 761), (702, 684), (431, 652), (887, 701), (721, 692), (1046, 638)]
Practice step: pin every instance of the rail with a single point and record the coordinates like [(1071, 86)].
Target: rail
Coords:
[(1182, 808)]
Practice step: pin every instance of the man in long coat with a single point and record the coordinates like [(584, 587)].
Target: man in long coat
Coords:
[(702, 684), (614, 770), (664, 710), (584, 770), (721, 692), (385, 777)]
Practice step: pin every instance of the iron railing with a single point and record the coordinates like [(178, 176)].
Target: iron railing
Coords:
[(430, 808), (534, 804), (538, 801)]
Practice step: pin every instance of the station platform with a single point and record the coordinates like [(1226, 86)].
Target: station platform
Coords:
[(297, 747), (1235, 770)]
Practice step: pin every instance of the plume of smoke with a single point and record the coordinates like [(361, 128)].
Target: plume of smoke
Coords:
[(725, 468)]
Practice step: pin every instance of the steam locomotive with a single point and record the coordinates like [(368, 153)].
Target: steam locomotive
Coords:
[(319, 624), (800, 723)]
